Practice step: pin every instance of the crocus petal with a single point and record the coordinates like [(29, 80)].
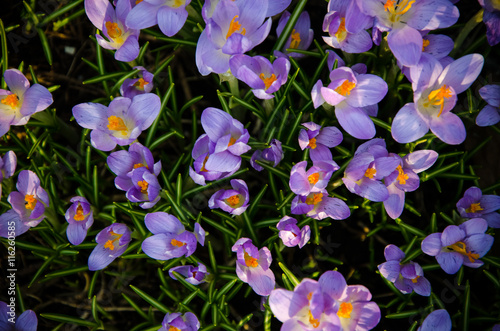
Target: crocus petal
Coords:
[(36, 98), (407, 125), (390, 270), (449, 128), (156, 247), (393, 252), (129, 50), (406, 45), (474, 226), (27, 321), (76, 234), (100, 258), (160, 222), (355, 121), (279, 299), (333, 284), (97, 10), (431, 15), (491, 94), (91, 115), (144, 109), (450, 262), (102, 141), (143, 15), (6, 220), (171, 20), (461, 73), (395, 204), (422, 286), (489, 115), (16, 81), (438, 320), (479, 243), (369, 90)]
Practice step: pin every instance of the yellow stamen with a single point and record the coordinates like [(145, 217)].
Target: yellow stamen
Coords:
[(203, 165), (231, 142), (341, 33), (312, 143), (397, 9), (116, 124), (415, 280), (309, 296), (30, 201), (113, 30), (178, 3), (141, 83), (313, 179), (402, 177), (139, 165), (172, 328), (11, 100), (144, 186), (460, 247), (437, 97), (295, 40), (138, 2), (345, 310), (110, 243), (79, 213), (370, 172), (177, 243), (315, 199), (425, 43), (250, 261), (233, 200), (389, 5), (235, 26), (268, 81), (345, 88), (314, 321), (474, 207)]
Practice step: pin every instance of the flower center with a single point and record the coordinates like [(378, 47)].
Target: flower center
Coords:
[(138, 2), (139, 165), (460, 247), (312, 143), (177, 243), (313, 178), (113, 30), (140, 83), (402, 177), (397, 9), (116, 123), (269, 80), (30, 201), (110, 244), (295, 40), (341, 33), (415, 280), (205, 162), (231, 142), (345, 310), (425, 43), (474, 207), (250, 261), (314, 199), (144, 186), (233, 200), (79, 213), (176, 4), (11, 100), (173, 328), (235, 26), (436, 98), (345, 88), (370, 172), (314, 321)]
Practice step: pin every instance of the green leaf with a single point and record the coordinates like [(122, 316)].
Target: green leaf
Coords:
[(69, 320), (153, 302), (289, 274)]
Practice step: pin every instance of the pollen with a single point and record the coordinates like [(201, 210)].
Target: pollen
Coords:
[(30, 201), (402, 177), (461, 248), (341, 33), (295, 40), (144, 186), (231, 142), (116, 123), (314, 321), (139, 165), (113, 30), (173, 328), (312, 143), (425, 43), (396, 10), (315, 199), (79, 213), (437, 96), (11, 100), (370, 172), (268, 81), (415, 280), (250, 261), (313, 179), (177, 243), (141, 83), (204, 162), (109, 245), (474, 207), (233, 200), (345, 310), (345, 88), (235, 26)]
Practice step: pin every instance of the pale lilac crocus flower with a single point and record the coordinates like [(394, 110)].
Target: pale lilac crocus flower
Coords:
[(435, 94), (192, 275), (291, 234), (21, 100), (475, 204), (403, 20), (303, 182), (8, 165), (459, 245), (170, 239), (274, 154), (134, 86), (300, 38), (234, 201), (319, 205), (170, 15), (80, 218), (438, 320), (490, 114), (27, 321), (491, 18), (407, 277), (112, 242), (121, 122), (274, 7), (405, 179), (144, 188), (351, 93), (178, 322), (260, 74), (111, 21), (319, 140), (252, 266)]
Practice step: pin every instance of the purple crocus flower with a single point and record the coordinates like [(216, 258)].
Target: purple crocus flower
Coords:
[(8, 165), (435, 95), (315, 179), (274, 154), (21, 101), (257, 72), (170, 239), (346, 26), (301, 37), (403, 20), (456, 245), (111, 22), (291, 234), (134, 86), (405, 179), (112, 242), (491, 18), (121, 122), (124, 163), (169, 15), (406, 277), (364, 173), (252, 266), (476, 205), (233, 201), (80, 218), (145, 188), (319, 140), (27, 321), (233, 28), (490, 114), (351, 93), (192, 275), (178, 322), (438, 320), (274, 7), (319, 205)]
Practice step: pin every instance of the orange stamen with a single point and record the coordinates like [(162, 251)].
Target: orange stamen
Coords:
[(235, 26), (11, 100), (269, 80), (474, 207), (79, 213), (233, 200), (177, 243), (370, 172), (425, 43), (312, 143), (231, 142), (250, 261), (437, 97), (313, 179), (113, 30), (345, 310), (345, 88), (116, 123), (203, 165), (402, 177), (460, 247), (314, 321), (110, 243), (144, 186), (315, 199), (30, 201), (141, 83), (139, 165), (341, 33), (295, 40), (414, 280)]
